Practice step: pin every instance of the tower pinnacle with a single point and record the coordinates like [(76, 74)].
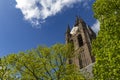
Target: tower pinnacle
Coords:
[(68, 29)]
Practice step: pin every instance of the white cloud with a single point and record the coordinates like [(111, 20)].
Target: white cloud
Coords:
[(96, 27), (36, 11)]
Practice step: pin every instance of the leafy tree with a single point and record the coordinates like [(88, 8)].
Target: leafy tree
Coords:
[(106, 47), (43, 63), (4, 70)]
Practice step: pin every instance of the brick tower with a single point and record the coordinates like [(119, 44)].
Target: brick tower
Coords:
[(81, 36)]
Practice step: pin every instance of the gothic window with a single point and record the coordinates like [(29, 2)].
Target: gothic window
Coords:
[(80, 41), (71, 41)]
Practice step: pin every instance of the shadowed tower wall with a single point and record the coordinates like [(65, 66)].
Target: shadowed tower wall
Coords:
[(81, 37)]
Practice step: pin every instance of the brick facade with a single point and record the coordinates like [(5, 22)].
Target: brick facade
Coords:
[(81, 37)]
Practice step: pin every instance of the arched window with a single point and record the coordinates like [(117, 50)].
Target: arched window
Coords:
[(80, 41)]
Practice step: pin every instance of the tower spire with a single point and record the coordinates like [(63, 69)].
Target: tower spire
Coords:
[(68, 29), (68, 35), (77, 20)]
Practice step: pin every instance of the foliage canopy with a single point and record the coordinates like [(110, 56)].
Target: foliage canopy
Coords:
[(106, 47), (43, 63)]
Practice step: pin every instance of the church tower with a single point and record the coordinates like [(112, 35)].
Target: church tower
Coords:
[(81, 37)]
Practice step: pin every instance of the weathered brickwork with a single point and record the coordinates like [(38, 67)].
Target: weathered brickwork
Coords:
[(81, 36)]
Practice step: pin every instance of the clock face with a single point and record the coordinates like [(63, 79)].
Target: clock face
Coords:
[(74, 30)]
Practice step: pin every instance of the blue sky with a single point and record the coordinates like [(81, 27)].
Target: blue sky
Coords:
[(20, 31)]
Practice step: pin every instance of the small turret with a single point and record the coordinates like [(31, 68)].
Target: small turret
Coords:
[(68, 35), (68, 29)]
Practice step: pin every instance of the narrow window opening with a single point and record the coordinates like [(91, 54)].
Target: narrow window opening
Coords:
[(80, 41), (71, 41)]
